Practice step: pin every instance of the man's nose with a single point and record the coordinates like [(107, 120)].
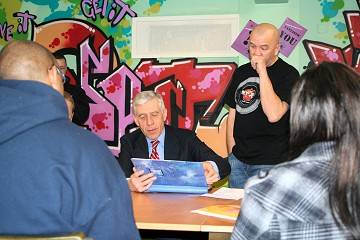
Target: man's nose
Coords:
[(149, 120), (257, 51)]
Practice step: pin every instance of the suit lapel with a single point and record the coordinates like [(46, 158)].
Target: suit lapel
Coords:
[(140, 147), (171, 145)]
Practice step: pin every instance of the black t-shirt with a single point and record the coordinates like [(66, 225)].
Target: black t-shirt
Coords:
[(257, 141)]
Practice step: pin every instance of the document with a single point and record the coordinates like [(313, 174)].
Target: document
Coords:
[(174, 176), (226, 193), (221, 211)]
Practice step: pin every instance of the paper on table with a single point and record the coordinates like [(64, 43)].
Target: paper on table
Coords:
[(226, 193), (222, 211)]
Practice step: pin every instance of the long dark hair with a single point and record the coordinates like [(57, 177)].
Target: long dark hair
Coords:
[(325, 106)]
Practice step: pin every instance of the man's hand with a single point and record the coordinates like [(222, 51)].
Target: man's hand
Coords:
[(258, 63), (140, 182), (210, 173)]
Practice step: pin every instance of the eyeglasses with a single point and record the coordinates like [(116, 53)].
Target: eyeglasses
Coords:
[(58, 71)]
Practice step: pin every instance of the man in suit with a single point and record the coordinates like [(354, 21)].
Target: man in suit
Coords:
[(149, 114)]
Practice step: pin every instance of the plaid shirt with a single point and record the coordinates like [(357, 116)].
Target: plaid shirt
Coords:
[(291, 200)]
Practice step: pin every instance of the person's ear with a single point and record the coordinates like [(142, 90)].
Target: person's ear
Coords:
[(164, 114), (277, 50), (136, 120), (54, 80)]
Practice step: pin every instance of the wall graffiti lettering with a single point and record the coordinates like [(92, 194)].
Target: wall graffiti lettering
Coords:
[(93, 8), (6, 31), (24, 20)]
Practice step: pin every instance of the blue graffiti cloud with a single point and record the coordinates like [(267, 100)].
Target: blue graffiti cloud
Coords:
[(53, 4), (152, 2), (341, 27), (330, 9), (60, 14)]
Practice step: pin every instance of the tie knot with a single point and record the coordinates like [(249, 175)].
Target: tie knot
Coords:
[(154, 143)]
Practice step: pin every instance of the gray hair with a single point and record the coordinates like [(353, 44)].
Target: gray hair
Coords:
[(144, 97)]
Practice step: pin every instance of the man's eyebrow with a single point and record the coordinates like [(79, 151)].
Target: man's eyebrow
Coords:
[(259, 45)]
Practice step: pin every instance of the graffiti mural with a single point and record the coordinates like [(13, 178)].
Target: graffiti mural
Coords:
[(192, 91), (350, 54), (95, 37)]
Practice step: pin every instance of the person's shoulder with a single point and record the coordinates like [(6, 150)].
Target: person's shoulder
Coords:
[(182, 136), (290, 68), (75, 141), (288, 183), (244, 67), (178, 131), (81, 136), (132, 134), (280, 173)]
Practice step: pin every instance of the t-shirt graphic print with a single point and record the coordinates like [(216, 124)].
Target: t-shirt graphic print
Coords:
[(247, 95)]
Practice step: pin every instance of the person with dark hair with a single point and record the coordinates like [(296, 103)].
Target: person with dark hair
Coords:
[(82, 108), (56, 178), (316, 195), (257, 130)]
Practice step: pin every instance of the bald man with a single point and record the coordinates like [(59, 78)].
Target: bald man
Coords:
[(55, 177), (258, 100)]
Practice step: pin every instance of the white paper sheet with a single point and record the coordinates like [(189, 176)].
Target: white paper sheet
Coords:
[(226, 193)]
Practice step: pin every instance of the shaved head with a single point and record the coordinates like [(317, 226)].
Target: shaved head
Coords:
[(27, 60), (265, 41), (267, 29)]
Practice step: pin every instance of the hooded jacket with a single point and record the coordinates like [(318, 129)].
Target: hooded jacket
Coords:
[(56, 177)]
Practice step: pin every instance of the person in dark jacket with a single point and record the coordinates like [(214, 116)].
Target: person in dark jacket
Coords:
[(55, 177), (81, 100), (172, 143)]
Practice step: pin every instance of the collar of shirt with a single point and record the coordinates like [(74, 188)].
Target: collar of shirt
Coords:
[(160, 147)]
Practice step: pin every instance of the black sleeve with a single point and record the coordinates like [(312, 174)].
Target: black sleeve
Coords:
[(230, 92), (201, 152), (125, 156)]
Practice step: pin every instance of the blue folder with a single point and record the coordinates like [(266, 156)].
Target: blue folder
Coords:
[(174, 176)]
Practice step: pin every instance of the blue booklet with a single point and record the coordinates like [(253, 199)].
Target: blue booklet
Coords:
[(174, 176)]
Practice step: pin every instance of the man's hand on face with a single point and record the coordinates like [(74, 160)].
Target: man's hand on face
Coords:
[(140, 182), (210, 173), (258, 63)]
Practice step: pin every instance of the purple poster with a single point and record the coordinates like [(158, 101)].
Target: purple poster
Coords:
[(241, 42), (290, 35)]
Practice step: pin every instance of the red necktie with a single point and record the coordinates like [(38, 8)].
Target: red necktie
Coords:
[(154, 154)]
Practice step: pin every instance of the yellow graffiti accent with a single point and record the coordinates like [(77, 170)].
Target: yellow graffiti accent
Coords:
[(341, 35), (153, 9), (104, 22), (125, 23)]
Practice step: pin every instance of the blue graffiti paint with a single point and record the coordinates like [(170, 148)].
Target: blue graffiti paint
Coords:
[(152, 2), (122, 43), (60, 14), (330, 9), (53, 4), (341, 27)]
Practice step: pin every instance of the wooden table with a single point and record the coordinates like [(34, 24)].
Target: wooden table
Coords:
[(172, 211)]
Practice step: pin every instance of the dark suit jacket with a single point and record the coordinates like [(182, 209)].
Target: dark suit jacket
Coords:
[(180, 144), (81, 102)]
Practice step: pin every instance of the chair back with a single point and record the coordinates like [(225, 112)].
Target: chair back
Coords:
[(72, 236)]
